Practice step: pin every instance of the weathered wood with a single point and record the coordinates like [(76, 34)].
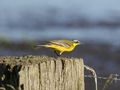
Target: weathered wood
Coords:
[(41, 73)]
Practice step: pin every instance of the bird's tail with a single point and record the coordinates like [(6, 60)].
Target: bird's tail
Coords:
[(40, 46)]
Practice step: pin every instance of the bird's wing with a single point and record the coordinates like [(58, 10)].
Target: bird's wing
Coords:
[(64, 43)]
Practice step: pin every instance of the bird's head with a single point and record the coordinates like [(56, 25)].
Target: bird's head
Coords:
[(76, 42)]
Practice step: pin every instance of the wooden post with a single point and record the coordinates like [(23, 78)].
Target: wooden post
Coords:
[(41, 73)]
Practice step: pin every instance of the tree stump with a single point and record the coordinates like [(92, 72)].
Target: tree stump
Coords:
[(41, 73)]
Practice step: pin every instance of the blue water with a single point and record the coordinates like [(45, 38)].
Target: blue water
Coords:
[(98, 35)]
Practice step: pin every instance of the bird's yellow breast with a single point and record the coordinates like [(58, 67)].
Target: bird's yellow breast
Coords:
[(61, 48)]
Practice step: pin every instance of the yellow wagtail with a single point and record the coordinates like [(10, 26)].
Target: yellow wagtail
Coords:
[(61, 45)]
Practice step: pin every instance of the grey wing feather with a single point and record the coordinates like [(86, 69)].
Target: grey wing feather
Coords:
[(61, 43)]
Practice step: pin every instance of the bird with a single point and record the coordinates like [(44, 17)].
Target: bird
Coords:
[(61, 46)]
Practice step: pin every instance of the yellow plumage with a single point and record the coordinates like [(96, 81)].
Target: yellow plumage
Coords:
[(61, 45)]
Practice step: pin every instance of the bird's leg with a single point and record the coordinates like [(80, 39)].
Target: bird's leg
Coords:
[(57, 53), (60, 53)]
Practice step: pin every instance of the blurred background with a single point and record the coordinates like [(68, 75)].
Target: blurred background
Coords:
[(96, 23)]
